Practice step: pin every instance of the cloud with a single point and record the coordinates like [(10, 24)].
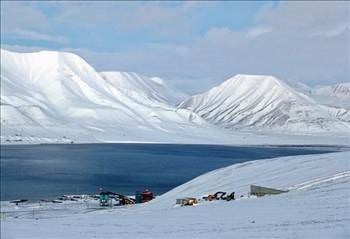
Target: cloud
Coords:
[(335, 31), (305, 16), (129, 16), (257, 31), (24, 20), (33, 35), (296, 41), (21, 48), (22, 15)]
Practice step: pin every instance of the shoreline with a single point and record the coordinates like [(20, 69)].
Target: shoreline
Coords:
[(296, 145), (309, 179), (326, 150)]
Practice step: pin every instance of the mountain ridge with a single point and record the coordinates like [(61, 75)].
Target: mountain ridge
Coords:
[(255, 101), (59, 95)]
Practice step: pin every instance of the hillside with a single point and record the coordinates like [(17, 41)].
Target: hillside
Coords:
[(57, 97), (315, 206), (145, 90), (263, 102), (60, 94), (334, 95)]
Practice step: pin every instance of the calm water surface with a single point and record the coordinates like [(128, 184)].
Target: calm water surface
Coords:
[(48, 171)]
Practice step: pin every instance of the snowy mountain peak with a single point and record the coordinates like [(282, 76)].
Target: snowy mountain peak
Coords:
[(262, 83), (260, 79), (255, 78), (339, 90), (59, 92), (55, 94), (334, 95), (261, 102), (43, 58), (251, 82), (151, 88), (343, 89)]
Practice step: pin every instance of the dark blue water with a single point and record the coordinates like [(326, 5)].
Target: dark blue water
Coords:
[(47, 171)]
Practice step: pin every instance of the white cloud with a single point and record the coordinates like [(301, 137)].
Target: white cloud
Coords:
[(20, 48), (335, 31), (33, 35), (296, 41), (129, 16), (257, 31), (21, 15), (23, 20)]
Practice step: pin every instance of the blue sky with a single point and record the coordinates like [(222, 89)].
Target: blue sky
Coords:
[(194, 45), (105, 36)]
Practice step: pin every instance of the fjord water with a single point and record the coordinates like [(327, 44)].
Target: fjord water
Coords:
[(47, 171)]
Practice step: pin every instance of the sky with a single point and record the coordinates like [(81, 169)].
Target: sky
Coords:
[(193, 45)]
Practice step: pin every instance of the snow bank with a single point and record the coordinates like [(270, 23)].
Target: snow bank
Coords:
[(287, 173)]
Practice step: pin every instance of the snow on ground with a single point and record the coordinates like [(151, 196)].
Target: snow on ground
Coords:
[(317, 206), (181, 135)]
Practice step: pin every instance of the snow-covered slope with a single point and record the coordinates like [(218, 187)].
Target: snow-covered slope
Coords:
[(263, 102), (143, 89), (341, 90), (315, 207), (335, 95), (335, 98), (62, 91), (64, 84), (288, 173), (56, 97)]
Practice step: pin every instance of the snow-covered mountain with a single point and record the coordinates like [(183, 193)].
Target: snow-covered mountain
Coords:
[(263, 102), (339, 90), (50, 97), (55, 90), (334, 95), (337, 95), (145, 90), (336, 98)]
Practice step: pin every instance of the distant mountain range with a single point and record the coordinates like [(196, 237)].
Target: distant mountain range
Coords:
[(337, 95), (58, 95), (253, 101)]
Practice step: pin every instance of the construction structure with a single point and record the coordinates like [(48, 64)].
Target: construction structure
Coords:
[(220, 196), (107, 196), (262, 191), (186, 201), (105, 200)]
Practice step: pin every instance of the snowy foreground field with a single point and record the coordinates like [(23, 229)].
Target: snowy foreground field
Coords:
[(317, 206)]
